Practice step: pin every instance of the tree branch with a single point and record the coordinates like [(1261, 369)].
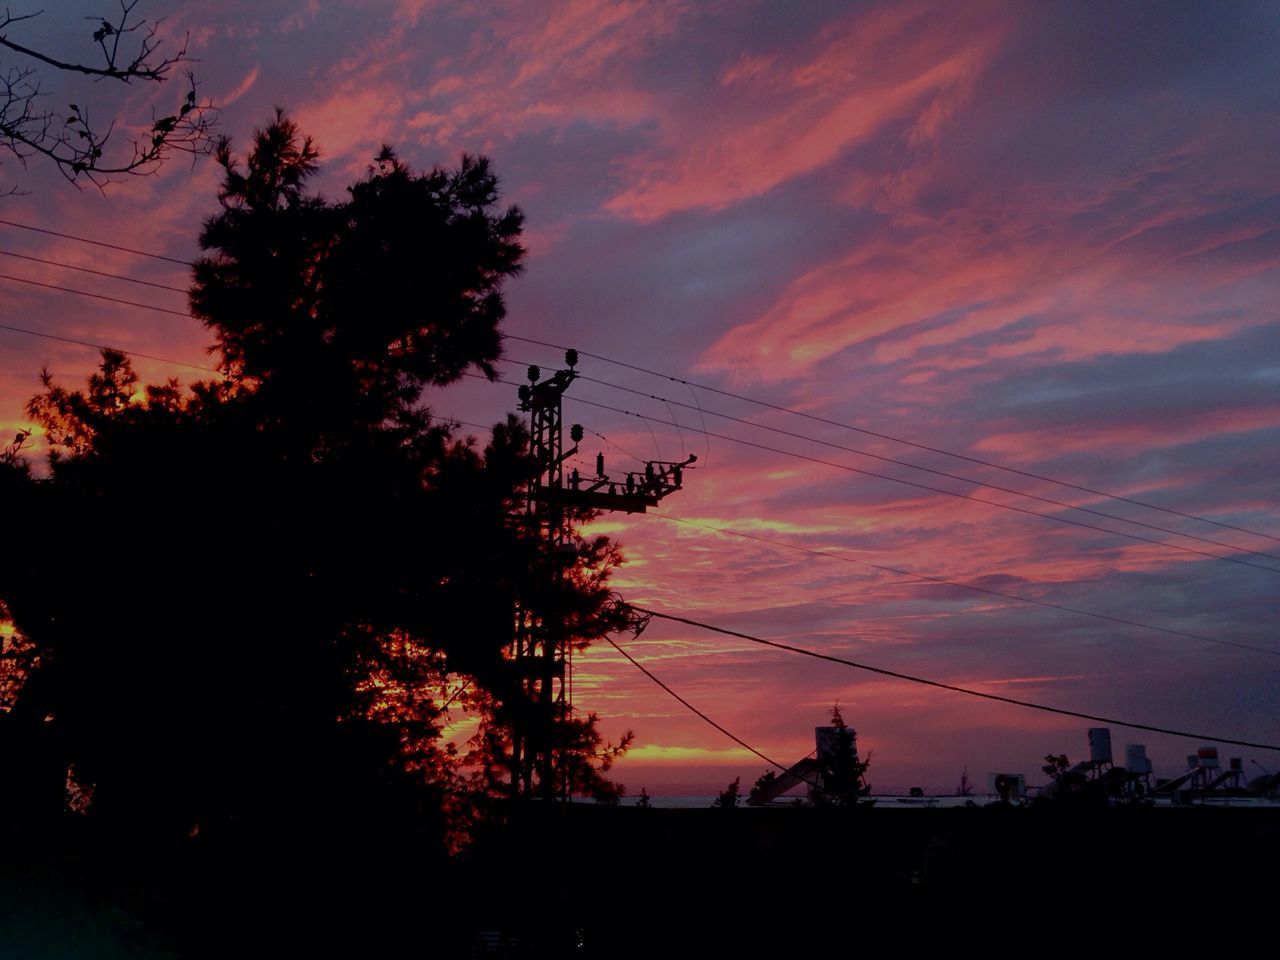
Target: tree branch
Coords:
[(70, 142), (137, 69)]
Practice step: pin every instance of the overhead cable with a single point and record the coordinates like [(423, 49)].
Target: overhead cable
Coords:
[(912, 483), (694, 710), (1030, 705), (99, 346), (925, 578), (693, 384), (96, 243), (950, 493), (97, 296), (894, 439), (96, 273), (738, 740), (931, 470)]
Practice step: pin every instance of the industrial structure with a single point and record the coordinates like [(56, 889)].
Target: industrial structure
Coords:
[(1205, 780), (834, 758), (542, 650)]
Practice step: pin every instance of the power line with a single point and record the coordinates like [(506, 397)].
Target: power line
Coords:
[(611, 443), (98, 273), (707, 434), (694, 710), (912, 483), (617, 446), (99, 346), (932, 489), (890, 437), (653, 438), (97, 243), (691, 708), (692, 385), (759, 446), (925, 578), (97, 296), (952, 687), (462, 423), (923, 469)]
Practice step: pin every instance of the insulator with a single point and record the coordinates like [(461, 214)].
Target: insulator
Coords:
[(534, 374), (524, 393), (648, 470), (599, 464), (575, 433), (571, 357), (676, 475)]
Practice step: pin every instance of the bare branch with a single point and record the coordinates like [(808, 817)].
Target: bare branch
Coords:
[(78, 148), (139, 67)]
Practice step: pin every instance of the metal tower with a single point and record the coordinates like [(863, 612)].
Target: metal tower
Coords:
[(542, 649)]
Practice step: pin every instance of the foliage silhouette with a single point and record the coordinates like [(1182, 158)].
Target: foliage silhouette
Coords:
[(1086, 784), (763, 782), (1056, 766), (842, 775), (250, 599), (727, 799)]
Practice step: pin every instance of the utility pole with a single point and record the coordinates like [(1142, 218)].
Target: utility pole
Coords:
[(542, 649)]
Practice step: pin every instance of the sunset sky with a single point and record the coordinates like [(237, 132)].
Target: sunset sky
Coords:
[(1040, 235)]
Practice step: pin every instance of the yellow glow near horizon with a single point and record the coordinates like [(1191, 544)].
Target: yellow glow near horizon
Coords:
[(656, 753)]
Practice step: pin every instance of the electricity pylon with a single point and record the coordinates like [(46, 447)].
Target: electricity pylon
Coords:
[(542, 648)]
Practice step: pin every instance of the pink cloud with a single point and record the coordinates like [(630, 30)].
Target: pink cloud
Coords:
[(580, 39), (352, 123), (941, 266), (773, 121), (1125, 300), (239, 90), (1030, 446)]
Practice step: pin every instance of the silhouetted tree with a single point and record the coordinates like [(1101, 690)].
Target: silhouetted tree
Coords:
[(336, 315), (126, 49), (250, 598), (727, 799), (1073, 784), (763, 782), (562, 751), (843, 777), (1056, 765)]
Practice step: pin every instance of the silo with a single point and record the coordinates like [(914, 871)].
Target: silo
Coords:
[(1135, 759), (831, 741), (1099, 745)]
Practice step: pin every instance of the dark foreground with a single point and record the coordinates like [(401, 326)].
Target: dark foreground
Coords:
[(594, 881)]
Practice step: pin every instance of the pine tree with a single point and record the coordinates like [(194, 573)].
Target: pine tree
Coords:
[(262, 589), (842, 774)]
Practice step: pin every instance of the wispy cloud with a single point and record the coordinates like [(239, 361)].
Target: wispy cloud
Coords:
[(1045, 236)]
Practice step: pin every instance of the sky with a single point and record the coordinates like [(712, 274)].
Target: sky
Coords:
[(1043, 236)]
